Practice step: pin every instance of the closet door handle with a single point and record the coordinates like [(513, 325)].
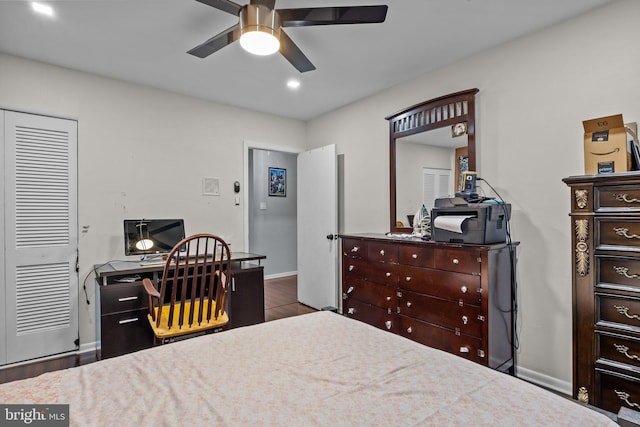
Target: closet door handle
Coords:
[(127, 299)]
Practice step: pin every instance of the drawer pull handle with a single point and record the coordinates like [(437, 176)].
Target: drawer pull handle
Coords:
[(624, 271), (623, 231), (388, 298), (382, 252), (625, 311), (407, 279), (351, 310), (122, 322), (624, 396), (465, 319), (414, 256), (409, 330), (388, 324), (409, 304), (624, 198), (351, 267), (388, 274), (464, 349), (456, 261), (624, 350), (464, 289), (350, 289), (127, 299), (355, 249)]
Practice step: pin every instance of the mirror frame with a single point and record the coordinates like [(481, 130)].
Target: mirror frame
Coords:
[(433, 114)]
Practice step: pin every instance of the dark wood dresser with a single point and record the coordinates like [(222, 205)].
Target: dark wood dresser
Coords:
[(605, 253), (454, 297)]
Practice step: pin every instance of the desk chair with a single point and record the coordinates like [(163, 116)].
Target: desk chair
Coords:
[(193, 289)]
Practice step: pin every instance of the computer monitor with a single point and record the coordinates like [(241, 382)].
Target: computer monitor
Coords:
[(152, 236)]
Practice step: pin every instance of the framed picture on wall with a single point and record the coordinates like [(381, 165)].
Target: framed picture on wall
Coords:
[(277, 182)]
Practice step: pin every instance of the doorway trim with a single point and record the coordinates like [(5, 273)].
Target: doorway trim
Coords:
[(250, 145)]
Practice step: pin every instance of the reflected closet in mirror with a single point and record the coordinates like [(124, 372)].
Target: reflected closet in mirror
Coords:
[(430, 145)]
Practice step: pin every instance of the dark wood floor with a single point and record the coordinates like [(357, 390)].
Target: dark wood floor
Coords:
[(280, 300)]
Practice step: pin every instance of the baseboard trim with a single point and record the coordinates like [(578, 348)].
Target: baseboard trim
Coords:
[(545, 381), (280, 275), (89, 347)]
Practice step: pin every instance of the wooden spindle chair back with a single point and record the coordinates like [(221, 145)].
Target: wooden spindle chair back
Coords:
[(193, 289)]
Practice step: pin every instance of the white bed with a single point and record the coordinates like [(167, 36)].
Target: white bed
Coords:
[(318, 369)]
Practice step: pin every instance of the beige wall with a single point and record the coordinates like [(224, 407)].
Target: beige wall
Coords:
[(534, 94), (142, 153)]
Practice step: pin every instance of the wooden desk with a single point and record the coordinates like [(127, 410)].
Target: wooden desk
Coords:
[(124, 305)]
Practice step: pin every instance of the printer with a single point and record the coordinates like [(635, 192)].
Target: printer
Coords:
[(456, 220)]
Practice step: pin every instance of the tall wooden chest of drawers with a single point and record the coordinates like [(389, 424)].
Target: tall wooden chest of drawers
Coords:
[(457, 298), (605, 253)]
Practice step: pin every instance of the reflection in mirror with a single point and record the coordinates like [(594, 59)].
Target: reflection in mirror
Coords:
[(432, 165), (426, 161)]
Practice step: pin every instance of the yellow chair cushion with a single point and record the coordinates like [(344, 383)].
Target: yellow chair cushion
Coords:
[(163, 331)]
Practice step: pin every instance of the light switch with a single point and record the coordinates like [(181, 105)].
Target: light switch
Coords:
[(237, 200), (263, 206)]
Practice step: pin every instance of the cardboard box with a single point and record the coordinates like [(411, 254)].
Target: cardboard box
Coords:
[(605, 145)]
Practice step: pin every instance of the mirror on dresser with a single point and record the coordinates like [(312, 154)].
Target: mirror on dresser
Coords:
[(430, 143)]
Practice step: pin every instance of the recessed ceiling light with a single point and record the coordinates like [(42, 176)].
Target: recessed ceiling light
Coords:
[(293, 84), (42, 8)]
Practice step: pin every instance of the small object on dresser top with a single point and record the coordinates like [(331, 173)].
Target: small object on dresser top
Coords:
[(400, 235)]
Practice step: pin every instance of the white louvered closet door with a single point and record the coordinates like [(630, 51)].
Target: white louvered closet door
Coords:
[(435, 183), (40, 226)]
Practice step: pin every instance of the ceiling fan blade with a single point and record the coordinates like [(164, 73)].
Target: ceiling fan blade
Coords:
[(224, 5), (332, 15), (268, 3), (294, 55), (216, 42)]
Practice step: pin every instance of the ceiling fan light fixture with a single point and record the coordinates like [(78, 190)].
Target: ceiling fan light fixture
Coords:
[(260, 30), (259, 42)]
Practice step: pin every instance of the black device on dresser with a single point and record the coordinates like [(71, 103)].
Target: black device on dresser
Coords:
[(124, 305)]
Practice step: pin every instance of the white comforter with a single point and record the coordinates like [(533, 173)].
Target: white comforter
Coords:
[(319, 369)]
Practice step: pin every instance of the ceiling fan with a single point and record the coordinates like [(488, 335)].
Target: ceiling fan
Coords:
[(260, 27)]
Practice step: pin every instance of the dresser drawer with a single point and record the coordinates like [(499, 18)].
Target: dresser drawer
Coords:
[(459, 260), (618, 349), (618, 312), (123, 333), (371, 293), (382, 252), (466, 319), (443, 339), (377, 272), (352, 248), (420, 256), (372, 315), (121, 297), (622, 197), (618, 233), (443, 284), (619, 272), (616, 390)]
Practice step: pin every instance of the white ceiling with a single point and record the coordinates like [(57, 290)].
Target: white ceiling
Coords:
[(145, 41)]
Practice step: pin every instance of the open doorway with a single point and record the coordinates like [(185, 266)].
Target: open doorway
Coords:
[(270, 207)]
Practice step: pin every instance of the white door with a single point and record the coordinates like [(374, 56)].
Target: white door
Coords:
[(318, 227), (40, 208)]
